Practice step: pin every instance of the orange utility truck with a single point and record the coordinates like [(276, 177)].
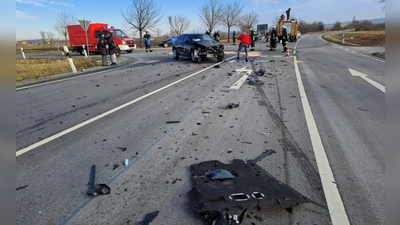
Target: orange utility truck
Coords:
[(77, 38)]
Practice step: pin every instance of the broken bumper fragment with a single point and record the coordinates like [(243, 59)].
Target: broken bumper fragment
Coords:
[(251, 188)]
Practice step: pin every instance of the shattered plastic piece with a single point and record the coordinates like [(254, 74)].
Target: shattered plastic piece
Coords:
[(252, 188), (255, 82), (127, 164), (268, 152), (115, 166), (22, 187), (122, 148), (265, 133), (232, 105), (96, 189), (149, 218), (174, 121), (219, 174)]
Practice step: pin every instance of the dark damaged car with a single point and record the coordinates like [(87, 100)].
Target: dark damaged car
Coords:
[(198, 47)]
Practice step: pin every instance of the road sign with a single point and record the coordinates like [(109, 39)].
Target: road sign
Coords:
[(85, 24), (342, 25)]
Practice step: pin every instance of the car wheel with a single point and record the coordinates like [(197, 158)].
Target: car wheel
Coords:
[(175, 54), (129, 51), (165, 45), (194, 59)]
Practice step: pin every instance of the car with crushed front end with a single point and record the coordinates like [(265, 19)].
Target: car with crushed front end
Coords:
[(198, 47)]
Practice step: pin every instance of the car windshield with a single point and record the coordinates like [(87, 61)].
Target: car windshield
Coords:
[(200, 37), (119, 33)]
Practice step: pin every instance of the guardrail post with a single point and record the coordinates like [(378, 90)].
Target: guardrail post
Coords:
[(71, 63)]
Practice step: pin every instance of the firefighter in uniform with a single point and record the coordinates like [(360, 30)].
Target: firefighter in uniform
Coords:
[(284, 38), (273, 39), (147, 41), (253, 36), (216, 35)]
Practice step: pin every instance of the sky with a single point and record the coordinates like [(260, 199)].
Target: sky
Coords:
[(33, 16)]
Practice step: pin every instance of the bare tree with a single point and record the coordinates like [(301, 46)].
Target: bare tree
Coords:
[(210, 14), (62, 21), (141, 15), (248, 21), (231, 15), (43, 35), (178, 24), (50, 38), (383, 7)]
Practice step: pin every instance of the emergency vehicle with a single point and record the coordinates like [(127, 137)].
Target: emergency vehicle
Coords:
[(292, 27), (77, 38)]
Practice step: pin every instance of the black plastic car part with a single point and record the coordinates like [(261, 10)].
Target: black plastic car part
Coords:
[(226, 199)]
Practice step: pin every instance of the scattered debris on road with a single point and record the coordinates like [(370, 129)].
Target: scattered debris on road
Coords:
[(174, 121), (266, 153), (225, 200), (96, 189), (22, 187), (122, 148), (252, 81), (149, 218), (232, 105)]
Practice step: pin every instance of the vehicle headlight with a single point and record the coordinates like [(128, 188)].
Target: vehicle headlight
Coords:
[(124, 42)]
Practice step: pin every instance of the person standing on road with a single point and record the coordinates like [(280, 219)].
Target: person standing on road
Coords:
[(216, 35), (147, 41), (101, 45), (273, 39), (254, 37), (234, 37), (112, 48), (284, 38), (245, 42)]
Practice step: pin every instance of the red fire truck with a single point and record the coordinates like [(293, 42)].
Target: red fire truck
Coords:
[(77, 38)]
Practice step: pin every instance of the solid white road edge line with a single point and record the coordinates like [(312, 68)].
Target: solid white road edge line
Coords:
[(73, 128), (335, 204)]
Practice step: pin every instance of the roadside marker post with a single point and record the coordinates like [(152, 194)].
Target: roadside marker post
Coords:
[(23, 53), (84, 51), (71, 63)]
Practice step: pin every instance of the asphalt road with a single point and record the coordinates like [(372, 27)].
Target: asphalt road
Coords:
[(164, 115)]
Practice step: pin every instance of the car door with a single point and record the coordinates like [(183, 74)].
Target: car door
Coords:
[(187, 45), (178, 44)]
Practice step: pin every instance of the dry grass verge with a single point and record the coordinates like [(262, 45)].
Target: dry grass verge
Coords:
[(35, 68), (358, 38)]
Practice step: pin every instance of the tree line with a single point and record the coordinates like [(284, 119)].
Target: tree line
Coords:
[(142, 15)]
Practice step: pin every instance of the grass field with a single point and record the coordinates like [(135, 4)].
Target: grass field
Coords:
[(358, 38), (35, 68)]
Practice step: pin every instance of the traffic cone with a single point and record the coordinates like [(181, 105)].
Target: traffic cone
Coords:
[(287, 52)]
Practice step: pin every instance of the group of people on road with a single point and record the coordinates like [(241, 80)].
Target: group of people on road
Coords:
[(107, 46)]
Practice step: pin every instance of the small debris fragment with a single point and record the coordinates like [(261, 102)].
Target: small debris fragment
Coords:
[(115, 166), (217, 66), (122, 148), (174, 121), (232, 105), (127, 164), (22, 187), (149, 218)]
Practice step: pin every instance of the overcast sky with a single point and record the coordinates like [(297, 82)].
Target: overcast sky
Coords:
[(33, 16)]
